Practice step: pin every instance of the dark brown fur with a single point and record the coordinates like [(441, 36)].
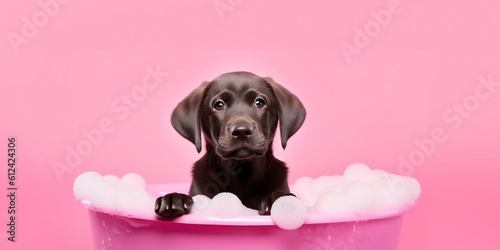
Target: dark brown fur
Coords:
[(239, 135)]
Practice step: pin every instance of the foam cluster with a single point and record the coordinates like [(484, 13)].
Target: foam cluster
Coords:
[(222, 205), (126, 195), (288, 212), (359, 190)]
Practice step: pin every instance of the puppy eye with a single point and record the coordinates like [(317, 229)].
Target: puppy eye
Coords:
[(219, 105), (260, 103)]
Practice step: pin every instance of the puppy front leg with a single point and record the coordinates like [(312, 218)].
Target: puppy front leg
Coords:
[(173, 205)]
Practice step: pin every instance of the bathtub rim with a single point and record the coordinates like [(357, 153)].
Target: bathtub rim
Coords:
[(260, 220)]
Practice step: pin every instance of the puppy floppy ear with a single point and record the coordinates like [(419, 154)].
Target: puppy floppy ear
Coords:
[(291, 112), (186, 116)]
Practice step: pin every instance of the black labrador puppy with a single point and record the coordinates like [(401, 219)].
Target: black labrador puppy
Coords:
[(238, 114)]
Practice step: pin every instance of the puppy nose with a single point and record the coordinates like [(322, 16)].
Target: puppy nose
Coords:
[(241, 131)]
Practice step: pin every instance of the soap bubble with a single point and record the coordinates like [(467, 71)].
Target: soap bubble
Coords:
[(337, 185), (288, 212), (402, 192), (356, 198), (320, 184), (308, 199), (383, 193), (395, 179), (302, 188), (332, 202), (227, 205), (142, 201), (357, 172), (414, 187), (87, 185), (122, 198), (302, 185), (337, 179), (225, 200), (377, 175), (112, 179), (359, 191), (133, 180), (129, 201), (201, 202), (359, 195), (106, 196)]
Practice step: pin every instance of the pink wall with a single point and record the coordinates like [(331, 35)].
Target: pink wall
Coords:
[(384, 82)]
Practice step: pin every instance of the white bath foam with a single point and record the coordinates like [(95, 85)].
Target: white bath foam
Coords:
[(227, 205), (87, 185), (302, 188), (414, 187), (360, 196), (126, 196), (357, 197), (106, 197), (384, 197), (337, 185), (377, 175), (113, 180), (337, 188), (303, 185), (288, 212), (331, 202), (144, 202), (320, 184), (360, 191), (201, 202), (357, 172), (133, 180)]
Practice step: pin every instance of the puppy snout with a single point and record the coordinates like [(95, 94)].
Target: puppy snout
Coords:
[(241, 131)]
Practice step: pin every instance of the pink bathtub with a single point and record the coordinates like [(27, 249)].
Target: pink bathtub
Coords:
[(321, 231)]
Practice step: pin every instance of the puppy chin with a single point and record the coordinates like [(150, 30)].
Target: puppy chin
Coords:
[(241, 154)]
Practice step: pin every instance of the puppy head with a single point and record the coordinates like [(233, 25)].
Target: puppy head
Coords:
[(238, 113)]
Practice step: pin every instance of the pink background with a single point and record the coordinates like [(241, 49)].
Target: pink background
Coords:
[(405, 80)]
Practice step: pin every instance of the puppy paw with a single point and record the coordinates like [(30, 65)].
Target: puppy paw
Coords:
[(267, 202), (173, 205)]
